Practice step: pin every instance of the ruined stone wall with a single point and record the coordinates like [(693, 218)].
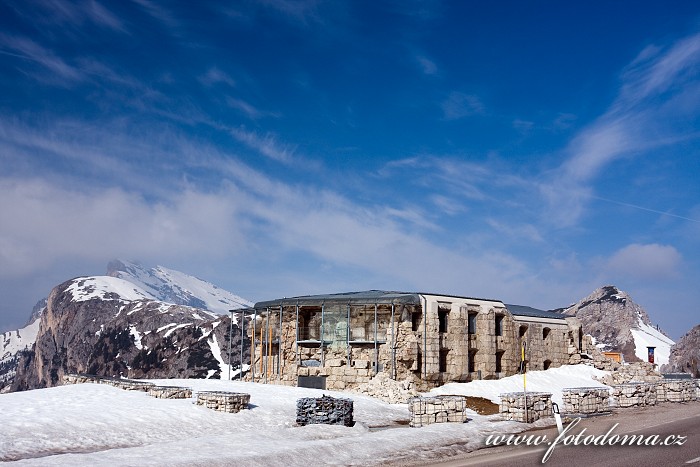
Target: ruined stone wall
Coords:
[(548, 342), (231, 402)]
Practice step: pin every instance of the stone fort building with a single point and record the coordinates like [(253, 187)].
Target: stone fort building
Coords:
[(339, 341)]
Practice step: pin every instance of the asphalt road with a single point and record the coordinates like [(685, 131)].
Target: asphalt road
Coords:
[(678, 424)]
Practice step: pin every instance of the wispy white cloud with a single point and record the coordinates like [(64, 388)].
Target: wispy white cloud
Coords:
[(70, 16), (301, 11), (161, 14), (459, 105), (267, 145), (215, 75), (59, 71), (427, 66), (648, 113), (645, 262), (248, 109)]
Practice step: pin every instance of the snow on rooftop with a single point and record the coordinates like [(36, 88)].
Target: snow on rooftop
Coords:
[(647, 336)]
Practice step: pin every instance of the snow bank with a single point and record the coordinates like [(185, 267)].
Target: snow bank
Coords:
[(647, 336), (90, 424)]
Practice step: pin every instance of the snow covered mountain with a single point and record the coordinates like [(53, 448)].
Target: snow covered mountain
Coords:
[(176, 287), (618, 324), (108, 326), (136, 310)]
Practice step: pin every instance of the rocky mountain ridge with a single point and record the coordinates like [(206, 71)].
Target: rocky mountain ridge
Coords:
[(166, 294), (685, 354), (107, 326), (618, 324)]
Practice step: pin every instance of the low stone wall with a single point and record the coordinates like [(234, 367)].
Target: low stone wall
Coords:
[(526, 407), (231, 402), (126, 384), (634, 395), (438, 409), (324, 410), (586, 400), (697, 389), (676, 390), (170, 392)]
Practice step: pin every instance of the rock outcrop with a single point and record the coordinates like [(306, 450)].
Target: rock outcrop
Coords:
[(109, 327), (611, 317), (685, 354)]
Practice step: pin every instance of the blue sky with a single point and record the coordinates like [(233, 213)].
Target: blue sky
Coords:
[(524, 151)]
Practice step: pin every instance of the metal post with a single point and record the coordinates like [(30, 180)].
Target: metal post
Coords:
[(323, 305), (252, 347), (347, 334), (230, 331), (279, 348), (241, 324), (296, 344), (393, 346), (376, 350)]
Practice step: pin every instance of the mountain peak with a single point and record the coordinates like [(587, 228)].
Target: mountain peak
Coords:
[(176, 287)]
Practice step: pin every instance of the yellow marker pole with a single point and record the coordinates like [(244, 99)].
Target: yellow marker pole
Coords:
[(522, 365)]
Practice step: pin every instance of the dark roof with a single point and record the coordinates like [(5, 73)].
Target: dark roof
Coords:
[(521, 310), (364, 297)]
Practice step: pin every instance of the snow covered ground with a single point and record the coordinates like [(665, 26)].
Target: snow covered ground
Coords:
[(91, 424)]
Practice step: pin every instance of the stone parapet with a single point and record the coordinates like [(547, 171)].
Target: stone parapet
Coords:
[(231, 402), (126, 384), (586, 400), (170, 392), (635, 394), (438, 409), (676, 390), (526, 407), (324, 410)]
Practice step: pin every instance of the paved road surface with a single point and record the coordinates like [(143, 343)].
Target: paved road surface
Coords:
[(667, 420)]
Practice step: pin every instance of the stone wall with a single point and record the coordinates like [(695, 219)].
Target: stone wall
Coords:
[(438, 409), (697, 389), (324, 410), (126, 384), (425, 348), (634, 395), (231, 402), (586, 400), (170, 392), (676, 390), (526, 407)]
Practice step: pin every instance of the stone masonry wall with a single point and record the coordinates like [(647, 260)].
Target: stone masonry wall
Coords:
[(634, 395), (678, 390), (324, 410), (439, 409), (231, 402), (586, 400), (526, 407)]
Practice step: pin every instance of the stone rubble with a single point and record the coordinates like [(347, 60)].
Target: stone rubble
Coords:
[(586, 400), (635, 394), (383, 387), (231, 402), (526, 407), (676, 390), (324, 410), (438, 409)]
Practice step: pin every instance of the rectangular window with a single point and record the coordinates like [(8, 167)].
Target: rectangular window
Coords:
[(442, 316), (415, 321), (499, 325), (443, 360), (472, 361), (471, 323)]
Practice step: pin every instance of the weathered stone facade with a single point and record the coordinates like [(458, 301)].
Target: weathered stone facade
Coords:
[(343, 341), (634, 395), (676, 390)]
